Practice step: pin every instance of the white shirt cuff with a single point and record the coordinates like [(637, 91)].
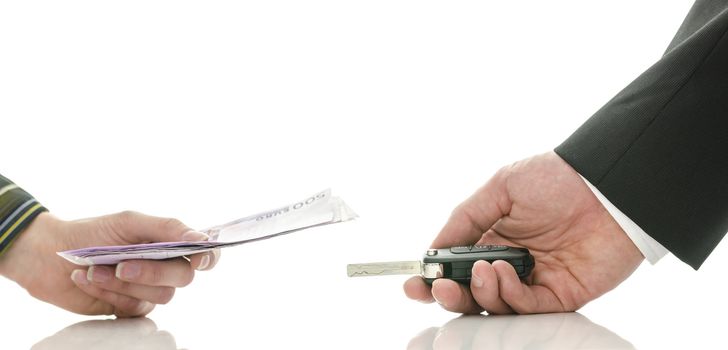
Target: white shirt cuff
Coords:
[(652, 250)]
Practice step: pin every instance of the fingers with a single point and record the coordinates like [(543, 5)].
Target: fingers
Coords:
[(449, 294), (103, 277), (137, 227), (476, 215), (170, 273), (415, 288), (495, 288), (522, 298), (205, 261), (122, 305), (454, 297), (133, 287), (484, 287)]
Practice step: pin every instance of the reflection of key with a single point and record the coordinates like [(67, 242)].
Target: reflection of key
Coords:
[(454, 263)]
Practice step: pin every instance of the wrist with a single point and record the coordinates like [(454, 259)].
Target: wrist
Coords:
[(20, 260), (650, 249)]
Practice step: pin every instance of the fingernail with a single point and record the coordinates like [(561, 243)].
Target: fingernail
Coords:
[(436, 298), (98, 275), (79, 276), (476, 281), (204, 262), (439, 302), (128, 270), (195, 236)]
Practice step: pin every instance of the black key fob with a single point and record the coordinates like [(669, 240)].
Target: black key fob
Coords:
[(456, 263)]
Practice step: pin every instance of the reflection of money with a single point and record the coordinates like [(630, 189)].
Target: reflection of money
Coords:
[(319, 209)]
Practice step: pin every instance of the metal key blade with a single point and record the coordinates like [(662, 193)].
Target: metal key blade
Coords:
[(384, 268)]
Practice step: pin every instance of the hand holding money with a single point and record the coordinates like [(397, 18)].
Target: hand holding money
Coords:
[(129, 289), (146, 274)]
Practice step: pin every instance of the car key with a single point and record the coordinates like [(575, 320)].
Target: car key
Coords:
[(454, 263)]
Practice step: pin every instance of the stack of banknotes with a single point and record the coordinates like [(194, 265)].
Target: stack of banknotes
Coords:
[(316, 210)]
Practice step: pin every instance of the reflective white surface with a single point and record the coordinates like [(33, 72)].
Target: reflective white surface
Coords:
[(549, 331), (238, 307), (553, 331), (209, 111)]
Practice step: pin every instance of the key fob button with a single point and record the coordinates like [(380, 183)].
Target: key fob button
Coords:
[(460, 250), (488, 248)]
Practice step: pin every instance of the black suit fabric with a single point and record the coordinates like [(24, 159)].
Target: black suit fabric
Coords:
[(659, 149)]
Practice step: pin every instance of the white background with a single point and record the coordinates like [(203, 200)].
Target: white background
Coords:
[(210, 111)]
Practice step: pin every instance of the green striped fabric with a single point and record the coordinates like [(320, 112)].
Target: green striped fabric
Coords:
[(17, 210)]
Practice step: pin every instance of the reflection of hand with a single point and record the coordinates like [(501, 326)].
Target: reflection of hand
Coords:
[(131, 288), (545, 331), (542, 204), (119, 334)]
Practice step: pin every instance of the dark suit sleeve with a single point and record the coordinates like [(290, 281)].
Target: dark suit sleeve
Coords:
[(659, 149)]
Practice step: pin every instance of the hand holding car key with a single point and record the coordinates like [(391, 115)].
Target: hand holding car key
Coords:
[(454, 263)]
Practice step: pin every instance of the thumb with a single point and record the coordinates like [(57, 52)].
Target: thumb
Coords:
[(139, 228), (477, 214)]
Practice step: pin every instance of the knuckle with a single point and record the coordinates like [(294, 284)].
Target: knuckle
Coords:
[(156, 275), (128, 304), (124, 287), (572, 306), (165, 295), (127, 215), (518, 307), (131, 308), (106, 309), (507, 170), (122, 303), (120, 222), (187, 278), (457, 210), (145, 308), (117, 222), (171, 223), (464, 211)]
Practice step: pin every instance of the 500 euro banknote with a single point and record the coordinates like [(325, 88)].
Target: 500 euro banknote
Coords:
[(316, 210)]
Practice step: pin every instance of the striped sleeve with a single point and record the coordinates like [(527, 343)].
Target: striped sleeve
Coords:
[(17, 210)]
